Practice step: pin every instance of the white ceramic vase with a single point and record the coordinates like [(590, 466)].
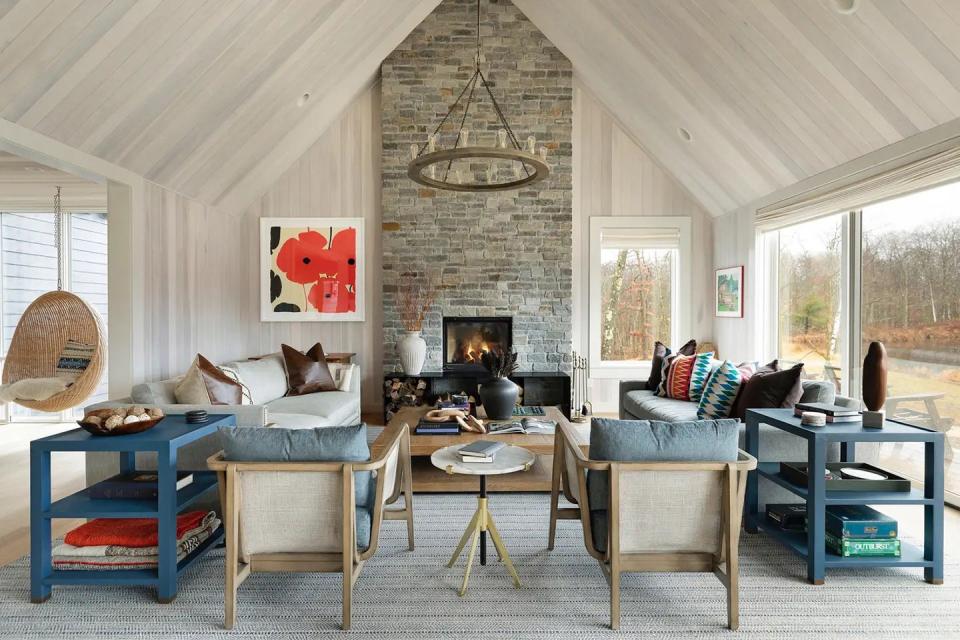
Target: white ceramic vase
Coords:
[(412, 350)]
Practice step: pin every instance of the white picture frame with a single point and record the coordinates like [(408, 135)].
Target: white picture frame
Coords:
[(294, 283)]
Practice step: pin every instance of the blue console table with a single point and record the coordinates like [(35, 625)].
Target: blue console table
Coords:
[(811, 545), (164, 439)]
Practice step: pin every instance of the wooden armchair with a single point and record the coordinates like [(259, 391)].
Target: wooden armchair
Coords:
[(321, 496), (660, 516)]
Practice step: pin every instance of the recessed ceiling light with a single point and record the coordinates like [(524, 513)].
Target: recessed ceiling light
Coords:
[(846, 7), (302, 100), (684, 134)]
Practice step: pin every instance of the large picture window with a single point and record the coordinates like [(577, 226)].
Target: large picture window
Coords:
[(885, 272), (638, 289)]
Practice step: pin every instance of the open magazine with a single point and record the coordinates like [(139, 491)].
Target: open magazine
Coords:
[(522, 425)]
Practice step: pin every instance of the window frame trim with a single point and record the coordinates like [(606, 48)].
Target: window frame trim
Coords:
[(681, 298)]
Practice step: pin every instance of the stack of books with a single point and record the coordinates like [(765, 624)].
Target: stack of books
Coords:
[(834, 413), (137, 485), (480, 451), (861, 531), (428, 428)]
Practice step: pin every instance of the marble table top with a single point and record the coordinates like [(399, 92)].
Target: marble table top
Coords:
[(508, 460)]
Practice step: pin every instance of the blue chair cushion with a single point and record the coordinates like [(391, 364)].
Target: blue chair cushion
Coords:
[(651, 441), (325, 444)]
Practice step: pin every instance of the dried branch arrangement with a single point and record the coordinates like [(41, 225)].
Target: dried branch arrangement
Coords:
[(500, 365), (416, 294)]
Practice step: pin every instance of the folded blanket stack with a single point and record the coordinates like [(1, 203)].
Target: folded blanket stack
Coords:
[(129, 543)]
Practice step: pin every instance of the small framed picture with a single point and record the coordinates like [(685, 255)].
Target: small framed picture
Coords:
[(729, 284)]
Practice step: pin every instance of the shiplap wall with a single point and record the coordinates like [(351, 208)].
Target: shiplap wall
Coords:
[(614, 176), (202, 263)]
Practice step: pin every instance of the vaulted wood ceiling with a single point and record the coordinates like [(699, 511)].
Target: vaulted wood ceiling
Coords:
[(198, 96), (771, 91), (201, 96)]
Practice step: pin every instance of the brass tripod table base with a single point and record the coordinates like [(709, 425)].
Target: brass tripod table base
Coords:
[(480, 524)]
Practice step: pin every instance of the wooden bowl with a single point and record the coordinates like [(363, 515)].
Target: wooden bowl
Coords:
[(122, 430)]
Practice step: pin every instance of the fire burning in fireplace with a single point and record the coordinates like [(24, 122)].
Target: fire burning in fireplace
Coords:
[(467, 339)]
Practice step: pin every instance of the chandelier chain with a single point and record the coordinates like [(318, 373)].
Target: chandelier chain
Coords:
[(466, 109)]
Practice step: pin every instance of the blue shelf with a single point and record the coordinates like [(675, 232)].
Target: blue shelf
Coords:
[(129, 576), (771, 471), (910, 554), (81, 505)]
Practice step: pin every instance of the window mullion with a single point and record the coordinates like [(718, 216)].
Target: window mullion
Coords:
[(854, 280)]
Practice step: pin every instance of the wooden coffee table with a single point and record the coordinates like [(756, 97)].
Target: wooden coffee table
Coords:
[(427, 478)]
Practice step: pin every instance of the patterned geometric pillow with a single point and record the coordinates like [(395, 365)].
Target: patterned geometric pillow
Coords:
[(74, 359), (720, 392), (699, 375), (685, 376)]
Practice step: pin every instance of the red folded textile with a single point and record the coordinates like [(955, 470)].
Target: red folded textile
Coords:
[(128, 532)]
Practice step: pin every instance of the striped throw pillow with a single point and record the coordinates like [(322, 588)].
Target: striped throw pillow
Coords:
[(74, 359), (719, 392), (685, 376)]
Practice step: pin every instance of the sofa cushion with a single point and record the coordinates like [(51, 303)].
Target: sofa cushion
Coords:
[(347, 444), (719, 392), (646, 405), (818, 391), (332, 405), (769, 390), (645, 440), (205, 383), (307, 372), (265, 377), (161, 392)]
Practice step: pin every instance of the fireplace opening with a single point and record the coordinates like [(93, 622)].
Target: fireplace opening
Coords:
[(465, 340)]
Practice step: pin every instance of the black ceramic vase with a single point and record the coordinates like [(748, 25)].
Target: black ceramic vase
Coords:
[(499, 395)]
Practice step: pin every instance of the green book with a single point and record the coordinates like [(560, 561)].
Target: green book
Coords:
[(863, 547)]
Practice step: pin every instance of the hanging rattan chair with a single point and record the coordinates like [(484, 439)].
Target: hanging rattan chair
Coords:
[(43, 331)]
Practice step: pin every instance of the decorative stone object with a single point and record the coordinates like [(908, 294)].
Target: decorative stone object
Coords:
[(873, 419), (499, 396), (875, 376), (412, 349), (813, 419)]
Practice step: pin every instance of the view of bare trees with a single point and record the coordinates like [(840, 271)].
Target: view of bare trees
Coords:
[(635, 299)]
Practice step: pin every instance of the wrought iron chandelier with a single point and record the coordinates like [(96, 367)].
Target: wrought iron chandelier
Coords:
[(433, 166)]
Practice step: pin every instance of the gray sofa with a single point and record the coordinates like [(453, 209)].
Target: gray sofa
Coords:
[(638, 403), (266, 380)]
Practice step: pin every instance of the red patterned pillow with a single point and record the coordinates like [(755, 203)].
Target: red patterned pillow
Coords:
[(677, 381)]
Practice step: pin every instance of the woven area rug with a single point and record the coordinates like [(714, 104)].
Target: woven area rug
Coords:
[(405, 594)]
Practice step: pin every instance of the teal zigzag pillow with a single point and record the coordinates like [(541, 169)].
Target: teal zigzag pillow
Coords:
[(699, 375), (719, 392)]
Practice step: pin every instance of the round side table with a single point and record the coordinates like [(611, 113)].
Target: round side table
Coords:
[(510, 459)]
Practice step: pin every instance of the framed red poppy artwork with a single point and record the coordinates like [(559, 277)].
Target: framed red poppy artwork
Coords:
[(311, 269)]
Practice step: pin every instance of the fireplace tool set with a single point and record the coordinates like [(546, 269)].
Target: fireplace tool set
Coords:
[(580, 406)]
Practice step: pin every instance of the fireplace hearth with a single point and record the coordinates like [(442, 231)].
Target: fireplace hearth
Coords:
[(466, 339)]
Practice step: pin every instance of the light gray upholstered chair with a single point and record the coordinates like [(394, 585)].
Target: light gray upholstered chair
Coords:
[(304, 517), (659, 516)]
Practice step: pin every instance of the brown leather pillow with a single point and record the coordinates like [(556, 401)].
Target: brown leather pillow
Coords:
[(770, 390), (307, 373), (204, 383)]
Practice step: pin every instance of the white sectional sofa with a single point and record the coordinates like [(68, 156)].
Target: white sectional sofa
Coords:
[(266, 380)]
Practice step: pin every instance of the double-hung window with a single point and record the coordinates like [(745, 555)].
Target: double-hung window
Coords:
[(639, 290)]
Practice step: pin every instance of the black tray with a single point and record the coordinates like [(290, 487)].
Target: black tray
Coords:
[(796, 472)]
